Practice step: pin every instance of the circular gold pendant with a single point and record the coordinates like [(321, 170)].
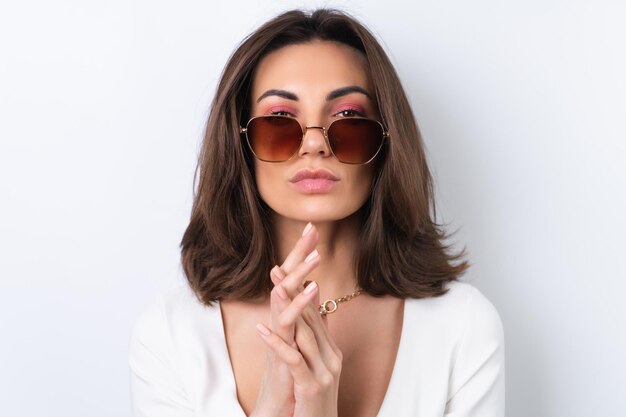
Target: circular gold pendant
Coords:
[(328, 306)]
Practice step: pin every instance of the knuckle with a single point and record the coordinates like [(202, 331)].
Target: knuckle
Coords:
[(296, 360), (326, 380), (288, 284), (334, 366), (283, 322)]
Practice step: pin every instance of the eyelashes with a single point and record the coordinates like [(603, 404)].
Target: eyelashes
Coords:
[(349, 110), (350, 113)]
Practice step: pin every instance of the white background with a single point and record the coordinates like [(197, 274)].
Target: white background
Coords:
[(102, 104)]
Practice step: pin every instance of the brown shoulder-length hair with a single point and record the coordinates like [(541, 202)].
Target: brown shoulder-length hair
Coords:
[(227, 249)]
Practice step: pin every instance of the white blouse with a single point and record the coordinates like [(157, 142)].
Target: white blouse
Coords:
[(450, 360)]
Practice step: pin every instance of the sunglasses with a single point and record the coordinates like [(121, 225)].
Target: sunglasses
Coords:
[(353, 140)]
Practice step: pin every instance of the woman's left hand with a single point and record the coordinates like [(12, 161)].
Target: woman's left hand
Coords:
[(315, 362)]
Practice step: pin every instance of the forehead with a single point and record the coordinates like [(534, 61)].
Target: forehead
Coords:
[(314, 66)]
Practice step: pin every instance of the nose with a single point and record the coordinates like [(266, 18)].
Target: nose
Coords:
[(314, 142)]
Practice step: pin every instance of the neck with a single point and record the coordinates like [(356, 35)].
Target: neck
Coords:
[(337, 242)]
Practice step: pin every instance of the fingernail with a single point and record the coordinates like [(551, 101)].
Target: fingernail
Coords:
[(277, 272), (263, 330), (307, 228), (281, 292), (312, 256), (310, 288)]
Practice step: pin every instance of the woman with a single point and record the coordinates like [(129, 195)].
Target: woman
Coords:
[(313, 172)]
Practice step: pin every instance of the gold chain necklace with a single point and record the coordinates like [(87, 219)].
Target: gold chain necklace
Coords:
[(330, 306)]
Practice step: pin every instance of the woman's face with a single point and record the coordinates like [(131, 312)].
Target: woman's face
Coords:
[(299, 81)]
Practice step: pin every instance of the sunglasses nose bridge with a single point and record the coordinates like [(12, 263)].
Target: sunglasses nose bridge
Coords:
[(306, 145)]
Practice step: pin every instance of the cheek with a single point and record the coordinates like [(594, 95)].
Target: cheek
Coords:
[(265, 178), (273, 186), (361, 183)]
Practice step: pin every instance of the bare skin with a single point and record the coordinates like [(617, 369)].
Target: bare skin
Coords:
[(299, 363), (366, 372)]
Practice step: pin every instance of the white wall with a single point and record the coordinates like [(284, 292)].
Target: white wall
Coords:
[(102, 104)]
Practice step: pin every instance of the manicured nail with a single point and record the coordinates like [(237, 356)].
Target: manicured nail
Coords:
[(281, 292), (310, 288), (312, 256), (263, 330), (277, 273), (307, 229)]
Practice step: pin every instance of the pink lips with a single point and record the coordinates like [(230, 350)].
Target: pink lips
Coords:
[(313, 181)]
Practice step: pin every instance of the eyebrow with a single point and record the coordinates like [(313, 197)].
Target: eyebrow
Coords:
[(279, 93), (340, 92)]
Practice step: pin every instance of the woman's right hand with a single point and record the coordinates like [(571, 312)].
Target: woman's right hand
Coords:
[(276, 394)]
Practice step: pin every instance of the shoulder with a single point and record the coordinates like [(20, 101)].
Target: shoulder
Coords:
[(460, 299), (165, 305), (462, 312), (172, 315), (166, 346), (475, 352)]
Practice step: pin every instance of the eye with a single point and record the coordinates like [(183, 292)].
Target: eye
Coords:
[(350, 113), (282, 113)]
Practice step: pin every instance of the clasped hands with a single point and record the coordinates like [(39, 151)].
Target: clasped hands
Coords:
[(303, 365)]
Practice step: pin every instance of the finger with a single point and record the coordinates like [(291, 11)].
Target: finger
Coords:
[(309, 347), (292, 282), (319, 325), (288, 317), (279, 301), (328, 347), (303, 247), (276, 275), (288, 354)]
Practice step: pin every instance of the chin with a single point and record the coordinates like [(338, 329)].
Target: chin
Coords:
[(316, 211)]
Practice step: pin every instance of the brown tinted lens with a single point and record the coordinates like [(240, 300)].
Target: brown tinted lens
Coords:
[(274, 138), (355, 141)]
